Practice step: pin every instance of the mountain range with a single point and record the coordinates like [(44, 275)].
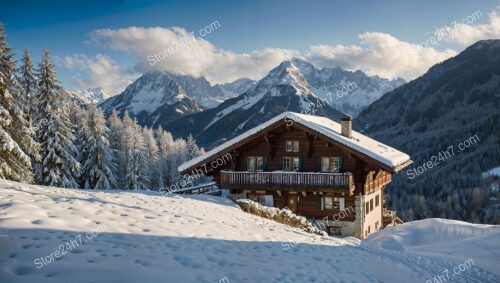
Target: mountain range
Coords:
[(283, 88), (348, 92), (225, 110), (162, 96)]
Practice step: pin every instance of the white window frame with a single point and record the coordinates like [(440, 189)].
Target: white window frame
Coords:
[(333, 164), (251, 164), (325, 204), (292, 146), (258, 162), (292, 162)]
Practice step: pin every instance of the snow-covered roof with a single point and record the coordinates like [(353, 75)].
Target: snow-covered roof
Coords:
[(359, 142)]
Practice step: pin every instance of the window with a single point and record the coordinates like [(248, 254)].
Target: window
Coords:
[(266, 200), (330, 164), (287, 163), (255, 163), (291, 163), (339, 203), (327, 202), (377, 200), (367, 207), (251, 164), (292, 146), (371, 204), (332, 203)]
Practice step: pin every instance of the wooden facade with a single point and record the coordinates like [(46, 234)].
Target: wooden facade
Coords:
[(290, 165)]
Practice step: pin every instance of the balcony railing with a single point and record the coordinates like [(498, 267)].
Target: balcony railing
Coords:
[(306, 181)]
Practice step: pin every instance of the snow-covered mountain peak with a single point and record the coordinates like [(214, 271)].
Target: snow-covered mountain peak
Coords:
[(287, 73), (90, 95), (304, 67)]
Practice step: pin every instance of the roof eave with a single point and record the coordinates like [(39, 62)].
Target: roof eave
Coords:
[(399, 168)]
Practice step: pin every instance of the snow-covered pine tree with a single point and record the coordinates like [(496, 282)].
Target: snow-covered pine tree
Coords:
[(165, 146), (165, 142), (178, 157), (192, 149), (153, 154), (16, 132), (28, 83), (79, 118), (99, 166), (151, 145), (128, 134), (59, 168), (137, 160), (116, 143)]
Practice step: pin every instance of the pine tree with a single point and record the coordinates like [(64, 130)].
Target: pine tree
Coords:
[(192, 149), (80, 120), (151, 144), (99, 166), (16, 133), (28, 103), (165, 146), (28, 83), (59, 167), (116, 143), (153, 154), (178, 157), (165, 142), (128, 134), (137, 160)]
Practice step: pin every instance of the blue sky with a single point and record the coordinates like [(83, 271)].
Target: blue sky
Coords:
[(240, 45)]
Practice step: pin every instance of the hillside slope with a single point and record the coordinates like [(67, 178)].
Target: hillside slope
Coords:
[(147, 237), (455, 101)]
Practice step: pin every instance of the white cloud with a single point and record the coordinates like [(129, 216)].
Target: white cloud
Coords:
[(379, 54), (98, 71), (466, 31), (175, 50)]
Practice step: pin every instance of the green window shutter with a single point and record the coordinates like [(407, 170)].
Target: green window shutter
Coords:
[(319, 164), (341, 161), (300, 163), (281, 163), (319, 203), (264, 163)]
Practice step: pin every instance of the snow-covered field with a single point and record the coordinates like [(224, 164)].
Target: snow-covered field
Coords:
[(63, 235)]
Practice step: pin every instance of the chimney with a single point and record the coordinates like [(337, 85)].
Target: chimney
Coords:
[(346, 126)]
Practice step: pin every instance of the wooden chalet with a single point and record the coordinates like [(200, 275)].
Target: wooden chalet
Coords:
[(316, 167)]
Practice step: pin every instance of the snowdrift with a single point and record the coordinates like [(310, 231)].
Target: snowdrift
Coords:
[(64, 235)]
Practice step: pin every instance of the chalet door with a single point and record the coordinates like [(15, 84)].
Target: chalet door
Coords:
[(293, 201)]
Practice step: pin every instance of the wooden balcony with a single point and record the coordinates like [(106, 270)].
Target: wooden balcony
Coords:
[(288, 181)]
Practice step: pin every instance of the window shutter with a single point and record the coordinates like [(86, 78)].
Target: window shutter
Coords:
[(319, 164), (320, 203), (264, 163), (281, 163), (341, 160), (300, 163)]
